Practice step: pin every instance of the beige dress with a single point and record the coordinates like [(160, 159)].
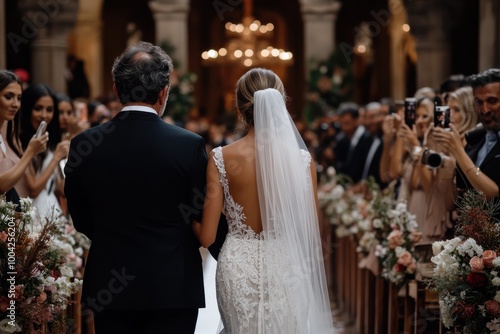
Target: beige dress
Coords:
[(7, 161), (432, 209)]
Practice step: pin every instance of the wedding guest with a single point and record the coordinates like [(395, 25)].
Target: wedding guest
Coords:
[(13, 161), (479, 163), (39, 104), (68, 119)]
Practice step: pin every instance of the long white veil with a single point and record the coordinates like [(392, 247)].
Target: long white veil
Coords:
[(290, 222)]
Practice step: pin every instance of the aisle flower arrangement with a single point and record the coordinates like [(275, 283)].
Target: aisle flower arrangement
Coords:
[(467, 269), (348, 211), (36, 282), (381, 226), (395, 232)]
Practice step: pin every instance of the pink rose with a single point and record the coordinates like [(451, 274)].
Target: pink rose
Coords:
[(395, 239), (411, 268), (41, 298), (405, 259), (492, 307), (488, 257), (3, 236), (476, 264)]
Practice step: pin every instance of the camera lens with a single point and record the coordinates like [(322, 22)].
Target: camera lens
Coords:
[(434, 160)]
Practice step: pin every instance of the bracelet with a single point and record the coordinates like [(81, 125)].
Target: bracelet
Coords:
[(478, 171), (468, 170)]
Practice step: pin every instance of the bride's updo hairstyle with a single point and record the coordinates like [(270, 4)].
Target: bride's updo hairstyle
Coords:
[(252, 81)]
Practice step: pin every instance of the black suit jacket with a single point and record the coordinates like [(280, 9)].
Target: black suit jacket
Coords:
[(490, 167), (133, 186)]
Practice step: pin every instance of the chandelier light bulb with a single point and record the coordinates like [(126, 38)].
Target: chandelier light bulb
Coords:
[(275, 52), (263, 29), (239, 28), (248, 52), (264, 53), (361, 48), (222, 52), (405, 27), (248, 62), (254, 26), (238, 53), (204, 55), (212, 53), (270, 26)]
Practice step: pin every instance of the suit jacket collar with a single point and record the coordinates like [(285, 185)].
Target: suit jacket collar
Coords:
[(136, 115)]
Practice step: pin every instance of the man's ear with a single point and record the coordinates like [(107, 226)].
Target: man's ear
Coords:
[(115, 91), (163, 95)]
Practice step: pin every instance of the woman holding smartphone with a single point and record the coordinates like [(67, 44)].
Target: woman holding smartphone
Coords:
[(13, 162), (44, 179)]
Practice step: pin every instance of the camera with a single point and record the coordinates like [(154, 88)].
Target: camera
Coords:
[(410, 105), (432, 159), (442, 117)]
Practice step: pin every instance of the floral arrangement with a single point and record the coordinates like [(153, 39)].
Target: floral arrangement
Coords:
[(36, 282), (395, 232), (380, 225), (467, 269), (348, 211)]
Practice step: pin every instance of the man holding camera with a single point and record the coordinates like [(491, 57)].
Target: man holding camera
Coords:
[(478, 163)]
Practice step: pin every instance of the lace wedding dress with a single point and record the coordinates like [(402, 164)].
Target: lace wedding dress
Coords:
[(274, 281), (255, 279)]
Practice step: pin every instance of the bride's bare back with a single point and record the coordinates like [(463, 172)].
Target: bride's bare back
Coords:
[(239, 162)]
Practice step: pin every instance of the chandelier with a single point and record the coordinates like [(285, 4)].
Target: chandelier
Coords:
[(249, 44)]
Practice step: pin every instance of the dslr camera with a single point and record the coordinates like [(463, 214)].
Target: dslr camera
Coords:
[(432, 159)]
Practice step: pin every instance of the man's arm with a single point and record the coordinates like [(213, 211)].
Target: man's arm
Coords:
[(76, 197)]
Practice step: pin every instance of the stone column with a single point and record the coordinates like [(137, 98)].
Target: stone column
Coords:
[(52, 22), (489, 34), (171, 25), (88, 47), (431, 22), (319, 29), (3, 47), (398, 52)]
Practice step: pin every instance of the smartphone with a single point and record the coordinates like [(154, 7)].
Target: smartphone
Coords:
[(410, 103), (41, 129), (442, 117)]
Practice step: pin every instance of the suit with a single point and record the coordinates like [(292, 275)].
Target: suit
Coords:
[(134, 185)]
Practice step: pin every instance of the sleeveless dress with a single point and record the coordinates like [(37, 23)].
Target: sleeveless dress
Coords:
[(253, 279)]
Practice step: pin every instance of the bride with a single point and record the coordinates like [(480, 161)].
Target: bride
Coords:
[(270, 276)]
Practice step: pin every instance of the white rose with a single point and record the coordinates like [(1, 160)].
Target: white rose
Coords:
[(495, 281), (9, 326), (66, 271)]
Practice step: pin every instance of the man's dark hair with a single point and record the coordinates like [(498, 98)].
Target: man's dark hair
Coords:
[(452, 83), (350, 108), (484, 78), (141, 72)]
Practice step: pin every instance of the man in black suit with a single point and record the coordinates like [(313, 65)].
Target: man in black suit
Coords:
[(479, 162), (134, 185)]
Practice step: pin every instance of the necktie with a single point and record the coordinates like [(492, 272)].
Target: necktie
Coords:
[(491, 139)]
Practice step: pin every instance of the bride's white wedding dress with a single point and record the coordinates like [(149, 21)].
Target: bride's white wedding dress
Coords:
[(251, 272), (273, 282)]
